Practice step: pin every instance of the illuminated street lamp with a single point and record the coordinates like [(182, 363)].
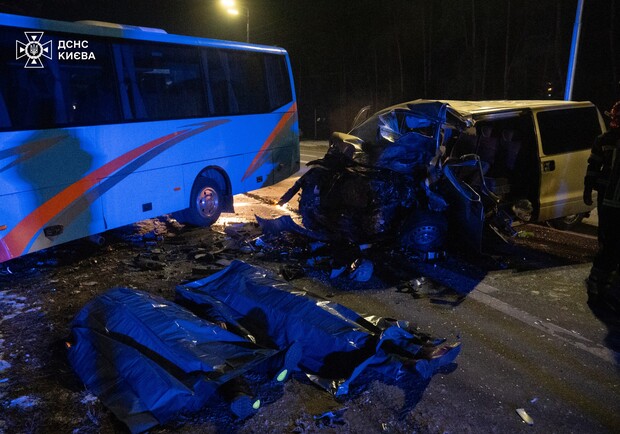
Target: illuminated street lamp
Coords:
[(233, 9)]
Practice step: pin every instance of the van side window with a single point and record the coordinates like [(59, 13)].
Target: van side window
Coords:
[(568, 130)]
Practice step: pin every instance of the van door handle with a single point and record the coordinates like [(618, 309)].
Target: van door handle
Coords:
[(549, 166)]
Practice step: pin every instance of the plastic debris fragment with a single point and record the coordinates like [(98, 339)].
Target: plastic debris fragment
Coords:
[(362, 271), (524, 416), (331, 418)]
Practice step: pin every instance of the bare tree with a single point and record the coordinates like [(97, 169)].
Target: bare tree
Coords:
[(506, 51), (612, 48), (558, 43), (473, 48), (427, 44), (399, 55), (485, 54)]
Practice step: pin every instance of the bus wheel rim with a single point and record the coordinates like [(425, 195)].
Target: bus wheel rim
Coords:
[(207, 202)]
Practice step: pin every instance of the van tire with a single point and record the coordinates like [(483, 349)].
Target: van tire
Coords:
[(566, 223), (424, 231)]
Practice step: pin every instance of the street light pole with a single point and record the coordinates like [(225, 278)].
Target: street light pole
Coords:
[(233, 9), (247, 24), (572, 62)]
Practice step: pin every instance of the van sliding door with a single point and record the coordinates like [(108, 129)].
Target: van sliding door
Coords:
[(565, 138)]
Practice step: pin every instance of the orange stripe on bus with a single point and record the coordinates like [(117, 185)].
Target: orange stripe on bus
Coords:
[(20, 236), (279, 127), (16, 241)]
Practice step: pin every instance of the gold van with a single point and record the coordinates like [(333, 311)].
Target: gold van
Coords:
[(547, 144), (427, 170)]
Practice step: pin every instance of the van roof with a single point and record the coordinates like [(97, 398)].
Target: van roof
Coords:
[(490, 106)]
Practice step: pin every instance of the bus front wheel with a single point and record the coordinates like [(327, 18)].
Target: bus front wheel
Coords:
[(206, 203)]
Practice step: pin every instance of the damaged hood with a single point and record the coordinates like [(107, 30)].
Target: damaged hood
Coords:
[(431, 109), (418, 113), (408, 135)]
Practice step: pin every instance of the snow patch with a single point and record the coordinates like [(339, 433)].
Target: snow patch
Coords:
[(89, 399), (24, 402), (15, 305)]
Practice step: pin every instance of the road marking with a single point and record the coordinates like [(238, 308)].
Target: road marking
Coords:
[(481, 295), (310, 156)]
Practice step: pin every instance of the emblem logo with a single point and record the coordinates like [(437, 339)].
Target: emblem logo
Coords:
[(33, 50)]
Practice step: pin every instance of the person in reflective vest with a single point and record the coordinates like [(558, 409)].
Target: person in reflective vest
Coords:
[(603, 175)]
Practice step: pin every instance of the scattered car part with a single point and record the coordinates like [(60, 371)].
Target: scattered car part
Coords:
[(526, 418)]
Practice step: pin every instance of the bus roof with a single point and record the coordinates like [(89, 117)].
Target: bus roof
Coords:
[(128, 32)]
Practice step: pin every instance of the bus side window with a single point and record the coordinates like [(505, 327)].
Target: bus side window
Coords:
[(220, 80), (207, 80), (130, 83), (61, 92), (89, 88), (28, 93), (33, 99), (278, 82), (5, 120), (248, 81), (168, 80)]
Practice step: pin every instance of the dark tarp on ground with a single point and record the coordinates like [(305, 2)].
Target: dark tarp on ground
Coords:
[(337, 344), (148, 359)]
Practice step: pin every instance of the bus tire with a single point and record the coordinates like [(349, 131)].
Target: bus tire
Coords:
[(206, 202)]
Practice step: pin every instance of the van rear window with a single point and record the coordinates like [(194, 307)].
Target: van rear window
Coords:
[(568, 130)]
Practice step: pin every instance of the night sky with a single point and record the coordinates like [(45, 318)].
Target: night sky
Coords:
[(350, 53)]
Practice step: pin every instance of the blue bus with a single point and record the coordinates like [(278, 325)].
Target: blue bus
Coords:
[(104, 125)]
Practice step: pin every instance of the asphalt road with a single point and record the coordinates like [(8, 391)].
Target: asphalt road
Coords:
[(529, 339)]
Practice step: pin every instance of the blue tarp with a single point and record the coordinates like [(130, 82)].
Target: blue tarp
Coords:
[(148, 359), (337, 344)]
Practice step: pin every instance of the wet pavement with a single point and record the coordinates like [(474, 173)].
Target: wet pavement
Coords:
[(530, 340)]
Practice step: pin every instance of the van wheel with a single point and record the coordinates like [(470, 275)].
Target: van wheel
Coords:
[(424, 231), (205, 203), (566, 223)]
